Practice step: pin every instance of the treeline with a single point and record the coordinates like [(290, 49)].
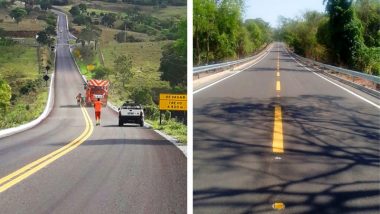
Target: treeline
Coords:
[(348, 35), (132, 20), (159, 3), (219, 32)]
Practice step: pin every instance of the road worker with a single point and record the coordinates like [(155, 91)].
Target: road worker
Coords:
[(98, 109), (79, 98)]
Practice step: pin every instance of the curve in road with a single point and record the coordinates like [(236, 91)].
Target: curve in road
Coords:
[(116, 170)]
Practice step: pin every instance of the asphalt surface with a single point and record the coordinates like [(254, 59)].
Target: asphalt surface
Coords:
[(331, 159), (116, 170)]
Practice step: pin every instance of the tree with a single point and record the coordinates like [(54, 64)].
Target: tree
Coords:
[(346, 31), (43, 38), (101, 72), (18, 14), (2, 33), (203, 25), (145, 85), (82, 20), (108, 19), (123, 69), (368, 12), (5, 95), (181, 42), (82, 7), (75, 11), (45, 4), (50, 30), (90, 33), (173, 66), (219, 32)]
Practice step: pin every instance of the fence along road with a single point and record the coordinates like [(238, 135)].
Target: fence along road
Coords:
[(66, 165), (278, 135)]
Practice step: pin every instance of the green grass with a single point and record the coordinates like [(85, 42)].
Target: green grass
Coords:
[(83, 66), (172, 128), (108, 35), (29, 23), (18, 61), (145, 55), (18, 65), (26, 109)]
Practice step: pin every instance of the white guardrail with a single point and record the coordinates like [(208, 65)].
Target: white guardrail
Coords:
[(225, 65), (372, 78)]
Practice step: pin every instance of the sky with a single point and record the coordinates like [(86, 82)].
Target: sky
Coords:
[(269, 10)]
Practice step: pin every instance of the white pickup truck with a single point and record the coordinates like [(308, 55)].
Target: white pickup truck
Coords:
[(131, 113)]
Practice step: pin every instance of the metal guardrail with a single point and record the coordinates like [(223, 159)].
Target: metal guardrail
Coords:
[(372, 78), (200, 69)]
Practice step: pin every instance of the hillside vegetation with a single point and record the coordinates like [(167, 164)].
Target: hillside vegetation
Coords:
[(347, 35), (23, 93), (219, 32)]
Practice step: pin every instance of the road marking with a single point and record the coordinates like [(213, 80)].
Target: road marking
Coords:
[(31, 168), (278, 206), (278, 74), (347, 90), (214, 83), (278, 85), (278, 139)]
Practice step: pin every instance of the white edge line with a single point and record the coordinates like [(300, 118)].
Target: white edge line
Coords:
[(214, 83), (175, 142), (347, 90)]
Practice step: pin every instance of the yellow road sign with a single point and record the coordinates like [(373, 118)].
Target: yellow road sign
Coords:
[(182, 97), (173, 102)]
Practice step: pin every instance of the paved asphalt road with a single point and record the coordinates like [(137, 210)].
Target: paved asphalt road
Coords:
[(331, 153), (116, 170)]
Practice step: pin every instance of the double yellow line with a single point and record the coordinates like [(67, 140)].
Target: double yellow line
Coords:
[(31, 168)]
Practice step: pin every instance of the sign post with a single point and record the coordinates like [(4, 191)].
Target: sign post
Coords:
[(172, 102)]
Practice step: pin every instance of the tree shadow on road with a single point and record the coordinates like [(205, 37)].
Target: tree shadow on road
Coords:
[(330, 165)]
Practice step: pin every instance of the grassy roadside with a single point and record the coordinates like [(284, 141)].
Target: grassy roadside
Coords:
[(22, 112), (145, 55), (172, 128), (29, 94)]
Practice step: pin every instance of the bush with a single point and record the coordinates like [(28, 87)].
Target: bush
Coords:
[(82, 20), (100, 73), (29, 86), (124, 37), (85, 53), (152, 112)]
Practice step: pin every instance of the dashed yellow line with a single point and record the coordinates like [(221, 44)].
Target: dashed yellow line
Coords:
[(278, 139), (278, 85), (31, 168)]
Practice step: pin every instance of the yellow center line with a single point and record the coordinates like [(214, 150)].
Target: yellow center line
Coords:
[(278, 139), (31, 168), (278, 85)]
